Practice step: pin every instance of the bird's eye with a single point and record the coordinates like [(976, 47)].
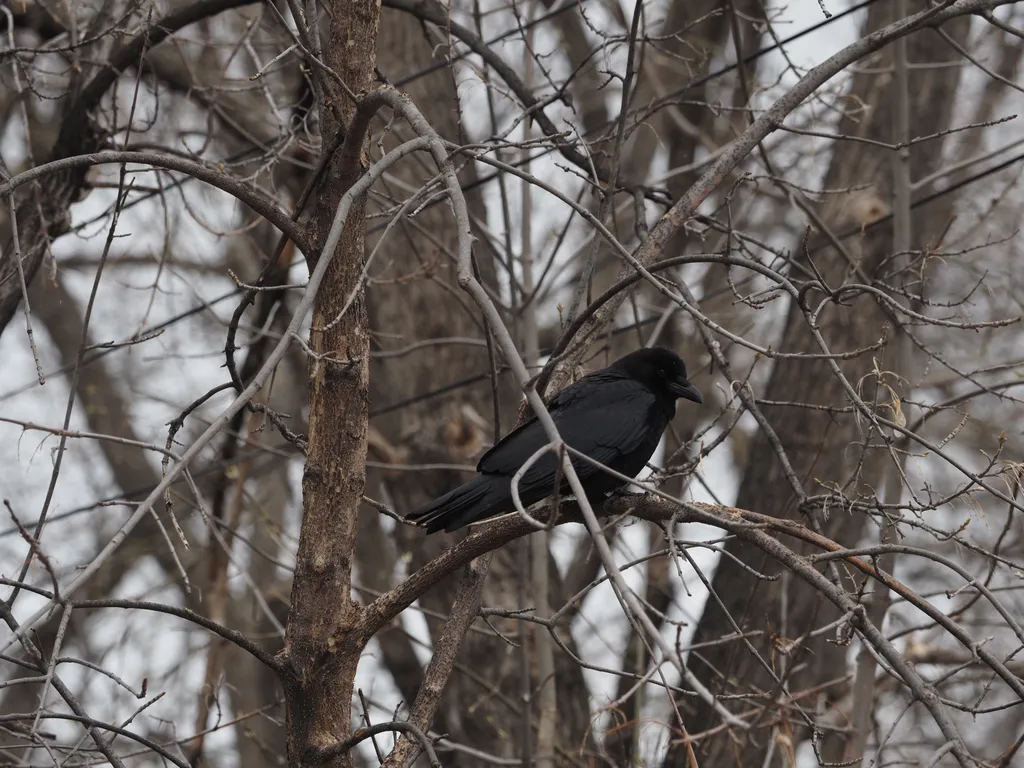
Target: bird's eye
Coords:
[(662, 372)]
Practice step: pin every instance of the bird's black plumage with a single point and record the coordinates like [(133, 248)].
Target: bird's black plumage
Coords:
[(615, 416)]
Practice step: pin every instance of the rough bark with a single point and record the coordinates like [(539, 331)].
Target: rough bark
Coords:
[(322, 645)]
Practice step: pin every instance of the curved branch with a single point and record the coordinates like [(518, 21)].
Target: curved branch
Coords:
[(130, 53), (433, 12), (769, 121), (47, 216), (184, 613), (218, 424), (89, 722), (237, 189), (362, 734), (922, 691), (655, 507)]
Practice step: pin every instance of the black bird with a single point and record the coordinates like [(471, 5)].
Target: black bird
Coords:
[(615, 416)]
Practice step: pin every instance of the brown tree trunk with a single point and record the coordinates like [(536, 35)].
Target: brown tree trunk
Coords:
[(697, 32), (322, 645), (249, 683), (414, 297), (827, 450)]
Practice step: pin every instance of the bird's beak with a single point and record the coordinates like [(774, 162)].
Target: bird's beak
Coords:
[(685, 389)]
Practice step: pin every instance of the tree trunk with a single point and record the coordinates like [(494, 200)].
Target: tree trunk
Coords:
[(322, 646), (414, 297), (827, 450)]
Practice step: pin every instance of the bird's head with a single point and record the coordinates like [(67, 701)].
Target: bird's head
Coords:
[(660, 370)]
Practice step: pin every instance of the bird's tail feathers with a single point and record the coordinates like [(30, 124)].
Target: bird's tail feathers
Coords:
[(464, 505)]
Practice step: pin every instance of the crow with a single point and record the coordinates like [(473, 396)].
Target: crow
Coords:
[(615, 416)]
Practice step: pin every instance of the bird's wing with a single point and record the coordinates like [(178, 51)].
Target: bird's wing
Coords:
[(603, 419), (506, 452)]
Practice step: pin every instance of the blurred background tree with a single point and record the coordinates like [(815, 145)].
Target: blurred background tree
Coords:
[(841, 286)]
